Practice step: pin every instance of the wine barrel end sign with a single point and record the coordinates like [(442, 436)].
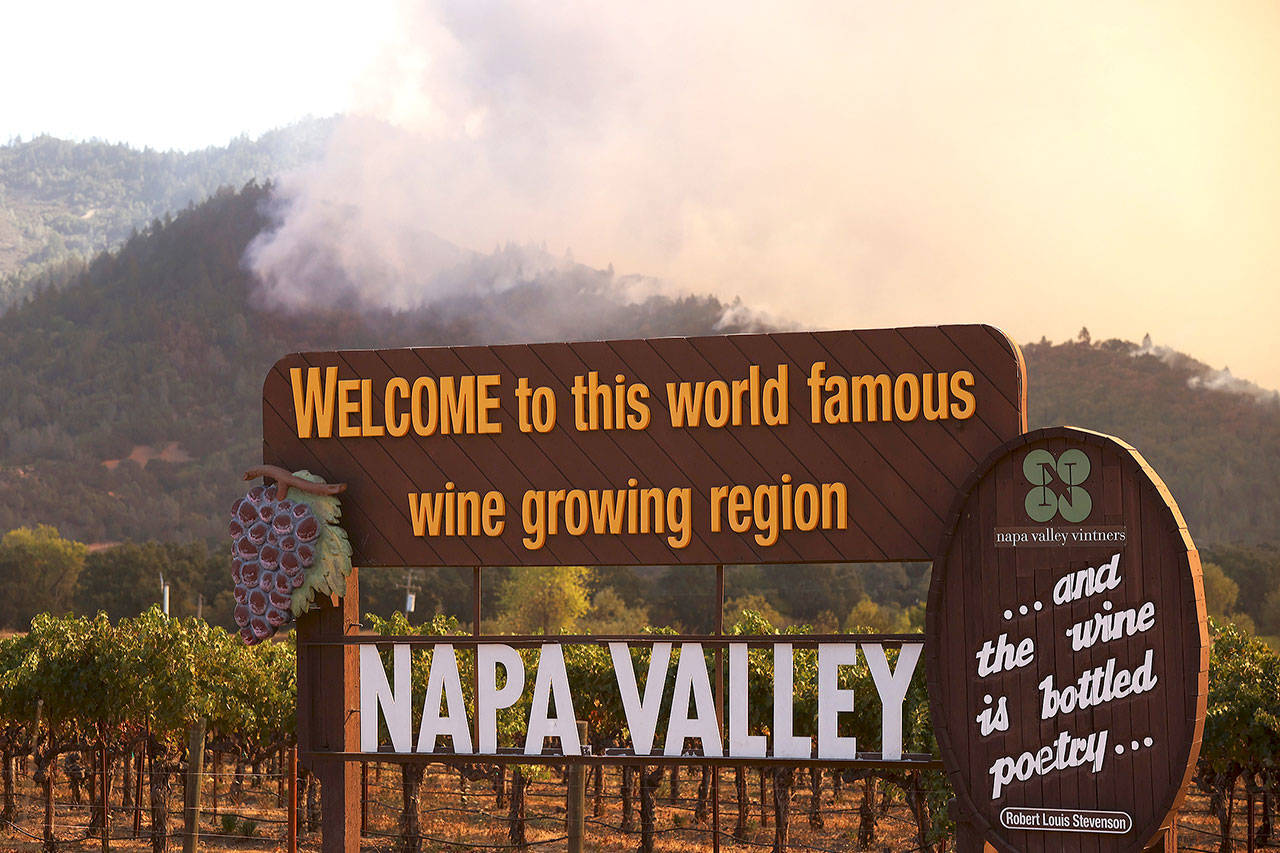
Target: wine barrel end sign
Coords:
[(1067, 647)]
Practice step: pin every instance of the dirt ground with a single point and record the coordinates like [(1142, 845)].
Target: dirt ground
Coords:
[(457, 816)]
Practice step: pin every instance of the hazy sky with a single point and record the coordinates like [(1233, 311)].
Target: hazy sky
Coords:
[(184, 75), (1040, 166)]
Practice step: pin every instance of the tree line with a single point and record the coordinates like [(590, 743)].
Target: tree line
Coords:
[(45, 572)]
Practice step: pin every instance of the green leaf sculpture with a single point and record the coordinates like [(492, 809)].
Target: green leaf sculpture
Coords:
[(327, 575)]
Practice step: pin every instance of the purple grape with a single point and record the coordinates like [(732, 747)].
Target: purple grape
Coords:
[(242, 615), (257, 602), (258, 533), (306, 555), (284, 505), (269, 556), (235, 528), (256, 493), (282, 524), (295, 581), (241, 593), (280, 599), (308, 530), (261, 627), (288, 543), (270, 493), (246, 550), (267, 581), (276, 618), (249, 573), (266, 512), (283, 582), (301, 510), (247, 636), (289, 564)]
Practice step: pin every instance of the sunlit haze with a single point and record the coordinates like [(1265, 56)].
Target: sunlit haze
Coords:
[(180, 75), (1041, 167)]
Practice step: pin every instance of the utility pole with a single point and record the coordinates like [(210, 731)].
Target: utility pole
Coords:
[(410, 592)]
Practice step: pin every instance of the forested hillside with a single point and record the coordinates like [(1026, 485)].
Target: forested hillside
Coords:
[(158, 345), (130, 403), (1217, 449), (61, 201)]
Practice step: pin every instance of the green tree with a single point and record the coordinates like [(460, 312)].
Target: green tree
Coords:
[(15, 727), (610, 614), (124, 580), (735, 609), (1220, 591), (38, 572), (74, 667), (121, 581), (685, 598), (1242, 723), (873, 618), (543, 599)]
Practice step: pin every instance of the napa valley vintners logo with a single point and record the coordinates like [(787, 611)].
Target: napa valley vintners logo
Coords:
[(1055, 485)]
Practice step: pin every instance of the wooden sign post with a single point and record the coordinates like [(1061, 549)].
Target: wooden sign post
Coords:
[(329, 712)]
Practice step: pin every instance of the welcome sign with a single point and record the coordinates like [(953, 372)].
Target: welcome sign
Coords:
[(787, 448), (1066, 641)]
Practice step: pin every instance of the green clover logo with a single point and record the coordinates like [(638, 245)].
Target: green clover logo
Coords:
[(1071, 469)]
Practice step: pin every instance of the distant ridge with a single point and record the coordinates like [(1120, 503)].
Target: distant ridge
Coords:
[(1216, 444), (159, 344), (61, 200)]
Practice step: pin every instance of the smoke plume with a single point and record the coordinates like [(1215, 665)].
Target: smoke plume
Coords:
[(1040, 166)]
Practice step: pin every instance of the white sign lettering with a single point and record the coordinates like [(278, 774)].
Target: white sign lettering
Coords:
[(1003, 655), (1106, 626), (1096, 686), (690, 714), (1063, 754)]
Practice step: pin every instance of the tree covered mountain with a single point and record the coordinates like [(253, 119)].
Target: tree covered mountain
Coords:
[(1217, 448), (61, 201), (130, 395), (130, 398)]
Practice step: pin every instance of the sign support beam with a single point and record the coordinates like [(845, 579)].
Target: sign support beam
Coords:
[(325, 722), (715, 772)]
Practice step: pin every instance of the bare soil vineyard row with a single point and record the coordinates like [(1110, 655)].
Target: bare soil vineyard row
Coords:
[(457, 814)]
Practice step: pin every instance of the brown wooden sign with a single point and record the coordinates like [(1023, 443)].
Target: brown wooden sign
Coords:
[(799, 447), (1066, 647)]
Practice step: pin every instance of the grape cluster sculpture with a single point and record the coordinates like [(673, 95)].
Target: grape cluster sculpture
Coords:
[(286, 547)]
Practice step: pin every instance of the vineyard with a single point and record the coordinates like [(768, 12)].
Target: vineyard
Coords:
[(143, 713)]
